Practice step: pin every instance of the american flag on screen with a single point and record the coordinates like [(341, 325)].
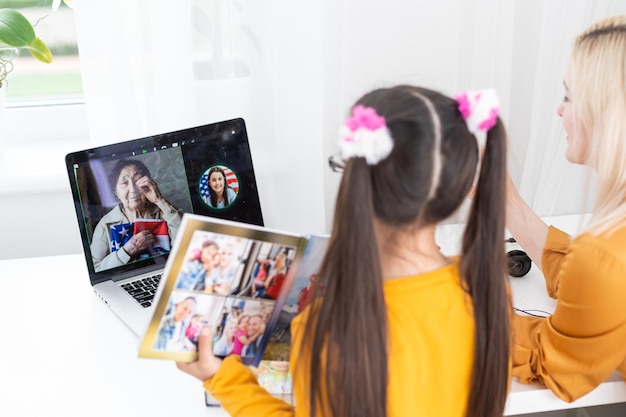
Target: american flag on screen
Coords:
[(231, 180), (121, 233), (159, 230)]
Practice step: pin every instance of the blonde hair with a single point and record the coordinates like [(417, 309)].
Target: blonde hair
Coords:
[(598, 66)]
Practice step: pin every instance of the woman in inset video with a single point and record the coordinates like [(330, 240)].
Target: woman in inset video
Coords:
[(220, 194)]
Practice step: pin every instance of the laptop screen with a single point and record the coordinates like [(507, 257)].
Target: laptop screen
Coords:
[(130, 196)]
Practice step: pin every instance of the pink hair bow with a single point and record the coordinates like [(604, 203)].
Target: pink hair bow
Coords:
[(365, 135), (480, 109)]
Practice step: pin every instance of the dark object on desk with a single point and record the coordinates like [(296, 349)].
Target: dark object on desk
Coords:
[(209, 401), (518, 263)]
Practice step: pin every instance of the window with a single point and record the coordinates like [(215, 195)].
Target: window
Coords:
[(32, 79), (44, 116)]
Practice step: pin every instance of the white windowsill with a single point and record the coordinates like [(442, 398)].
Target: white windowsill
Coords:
[(35, 139), (37, 168)]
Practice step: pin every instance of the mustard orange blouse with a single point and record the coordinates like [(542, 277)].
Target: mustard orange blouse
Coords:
[(584, 340), (431, 329)]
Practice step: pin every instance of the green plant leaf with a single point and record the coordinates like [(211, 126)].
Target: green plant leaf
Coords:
[(40, 51), (15, 29)]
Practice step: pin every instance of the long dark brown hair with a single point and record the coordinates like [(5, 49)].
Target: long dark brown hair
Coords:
[(423, 181), (212, 195)]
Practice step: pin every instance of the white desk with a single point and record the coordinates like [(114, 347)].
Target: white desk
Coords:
[(64, 353)]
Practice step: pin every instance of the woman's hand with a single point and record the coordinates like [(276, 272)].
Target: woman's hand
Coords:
[(527, 228), (139, 243), (207, 364), (149, 188)]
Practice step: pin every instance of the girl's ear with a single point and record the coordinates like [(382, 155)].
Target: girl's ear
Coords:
[(472, 192)]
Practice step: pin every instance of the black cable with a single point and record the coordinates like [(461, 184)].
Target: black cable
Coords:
[(534, 311)]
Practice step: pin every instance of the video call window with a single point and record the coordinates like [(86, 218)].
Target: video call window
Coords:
[(130, 197)]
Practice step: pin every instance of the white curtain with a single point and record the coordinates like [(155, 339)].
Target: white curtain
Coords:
[(151, 66), (291, 69)]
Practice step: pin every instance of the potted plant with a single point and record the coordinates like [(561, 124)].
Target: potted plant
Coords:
[(16, 33)]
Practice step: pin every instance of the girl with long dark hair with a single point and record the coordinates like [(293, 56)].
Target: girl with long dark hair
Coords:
[(395, 327)]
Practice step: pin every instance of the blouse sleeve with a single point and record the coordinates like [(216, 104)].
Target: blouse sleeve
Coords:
[(239, 393), (582, 343), (553, 256)]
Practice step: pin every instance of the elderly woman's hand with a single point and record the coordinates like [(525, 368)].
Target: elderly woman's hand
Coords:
[(140, 242), (149, 188)]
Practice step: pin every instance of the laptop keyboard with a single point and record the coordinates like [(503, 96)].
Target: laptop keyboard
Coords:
[(143, 290)]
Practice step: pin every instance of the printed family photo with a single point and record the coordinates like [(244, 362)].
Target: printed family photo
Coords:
[(231, 277)]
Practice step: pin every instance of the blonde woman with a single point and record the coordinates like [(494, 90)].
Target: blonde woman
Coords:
[(224, 345), (584, 341)]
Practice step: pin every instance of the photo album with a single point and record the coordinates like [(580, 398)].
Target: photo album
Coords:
[(244, 281)]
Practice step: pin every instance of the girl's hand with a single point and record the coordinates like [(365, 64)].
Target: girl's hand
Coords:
[(207, 364)]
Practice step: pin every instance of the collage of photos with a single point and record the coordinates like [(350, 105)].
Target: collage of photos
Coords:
[(297, 299), (238, 324), (229, 283)]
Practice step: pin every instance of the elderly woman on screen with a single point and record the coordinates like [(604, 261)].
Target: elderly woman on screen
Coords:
[(139, 198)]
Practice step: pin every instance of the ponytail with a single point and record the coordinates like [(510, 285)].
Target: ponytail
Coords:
[(350, 311), (483, 242)]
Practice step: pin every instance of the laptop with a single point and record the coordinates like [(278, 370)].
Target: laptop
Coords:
[(129, 199)]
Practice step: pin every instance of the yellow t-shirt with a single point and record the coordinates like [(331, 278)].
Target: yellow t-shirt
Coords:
[(584, 341), (431, 329)]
